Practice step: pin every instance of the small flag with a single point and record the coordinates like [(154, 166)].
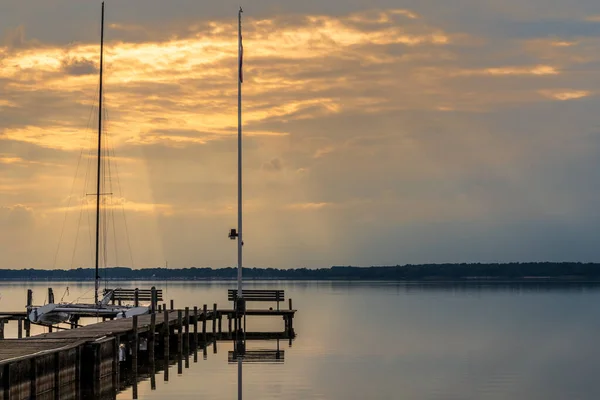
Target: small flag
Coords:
[(241, 59)]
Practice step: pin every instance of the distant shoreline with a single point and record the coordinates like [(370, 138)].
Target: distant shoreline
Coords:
[(545, 272)]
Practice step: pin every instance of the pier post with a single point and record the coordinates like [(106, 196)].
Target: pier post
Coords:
[(166, 342), (229, 325), (27, 327), (290, 300), (33, 378), (115, 363), (196, 325), (151, 337), (96, 368), (134, 386), (164, 306), (6, 381), (204, 314), (20, 328), (29, 299), (179, 364), (220, 323), (134, 345), (50, 295), (153, 375), (136, 298), (159, 308), (78, 372), (153, 300), (172, 304), (179, 331), (57, 375), (2, 329), (214, 320), (186, 321)]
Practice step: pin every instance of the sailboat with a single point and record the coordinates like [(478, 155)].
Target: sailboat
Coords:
[(56, 313)]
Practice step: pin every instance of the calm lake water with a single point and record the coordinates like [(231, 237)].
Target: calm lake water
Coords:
[(392, 341)]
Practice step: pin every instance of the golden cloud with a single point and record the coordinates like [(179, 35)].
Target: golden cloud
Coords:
[(307, 206), (566, 94), (563, 43), (116, 203), (10, 160), (536, 70), (194, 76)]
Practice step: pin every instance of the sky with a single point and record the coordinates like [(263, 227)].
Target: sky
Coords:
[(375, 133)]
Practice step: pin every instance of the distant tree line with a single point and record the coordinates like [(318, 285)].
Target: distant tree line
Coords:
[(512, 271)]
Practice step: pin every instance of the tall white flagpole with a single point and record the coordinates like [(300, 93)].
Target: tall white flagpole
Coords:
[(239, 238), (240, 79)]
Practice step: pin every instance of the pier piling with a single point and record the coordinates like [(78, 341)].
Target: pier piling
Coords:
[(196, 325), (214, 319), (204, 314), (135, 343), (166, 332), (186, 321), (179, 331), (153, 300), (151, 336)]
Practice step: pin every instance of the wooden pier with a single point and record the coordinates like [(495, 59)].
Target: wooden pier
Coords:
[(86, 360)]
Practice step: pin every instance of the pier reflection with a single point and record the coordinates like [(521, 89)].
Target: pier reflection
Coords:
[(130, 374), (256, 355)]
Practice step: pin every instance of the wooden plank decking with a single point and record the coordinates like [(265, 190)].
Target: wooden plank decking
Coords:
[(16, 348)]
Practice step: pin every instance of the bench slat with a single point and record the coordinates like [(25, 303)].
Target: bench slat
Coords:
[(129, 294), (257, 295)]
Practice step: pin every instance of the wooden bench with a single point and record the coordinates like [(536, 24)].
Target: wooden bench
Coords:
[(119, 295), (258, 295)]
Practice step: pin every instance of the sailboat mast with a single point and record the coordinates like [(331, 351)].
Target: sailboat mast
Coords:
[(97, 278), (240, 243)]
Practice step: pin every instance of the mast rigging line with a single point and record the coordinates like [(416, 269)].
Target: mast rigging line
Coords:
[(70, 198)]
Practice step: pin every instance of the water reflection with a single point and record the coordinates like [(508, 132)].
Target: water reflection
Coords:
[(131, 374), (391, 340), (256, 355)]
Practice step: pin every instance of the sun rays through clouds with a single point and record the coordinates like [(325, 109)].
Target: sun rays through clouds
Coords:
[(359, 127)]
